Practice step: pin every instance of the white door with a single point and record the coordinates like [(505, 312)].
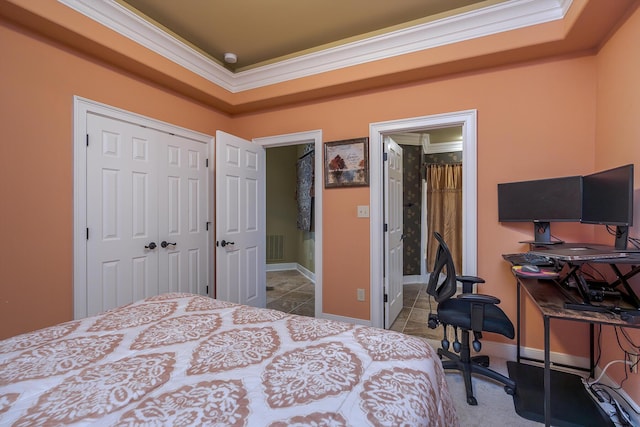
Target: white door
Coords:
[(144, 187), (394, 234), (240, 224), (182, 215)]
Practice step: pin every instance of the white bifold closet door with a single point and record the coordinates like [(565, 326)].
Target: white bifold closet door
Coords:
[(146, 213)]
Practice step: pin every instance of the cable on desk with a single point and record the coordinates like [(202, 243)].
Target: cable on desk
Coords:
[(597, 390), (621, 414), (597, 380), (591, 271), (627, 353), (599, 341)]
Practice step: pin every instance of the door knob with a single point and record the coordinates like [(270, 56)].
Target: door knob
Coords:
[(225, 243), (164, 244), (151, 246)]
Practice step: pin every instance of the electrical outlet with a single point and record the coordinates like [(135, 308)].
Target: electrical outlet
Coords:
[(633, 358)]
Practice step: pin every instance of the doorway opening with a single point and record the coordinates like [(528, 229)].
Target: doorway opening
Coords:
[(313, 248), (424, 151), (377, 134), (290, 232)]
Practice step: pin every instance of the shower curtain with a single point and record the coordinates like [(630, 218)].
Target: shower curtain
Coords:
[(444, 210)]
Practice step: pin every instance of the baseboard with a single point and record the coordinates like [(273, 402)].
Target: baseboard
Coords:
[(285, 266), (307, 273), (351, 320), (509, 352)]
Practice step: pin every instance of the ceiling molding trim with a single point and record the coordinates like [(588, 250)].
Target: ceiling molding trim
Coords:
[(123, 21), (507, 16), (501, 17)]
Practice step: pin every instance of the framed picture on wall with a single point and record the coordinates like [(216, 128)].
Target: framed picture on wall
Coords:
[(346, 163)]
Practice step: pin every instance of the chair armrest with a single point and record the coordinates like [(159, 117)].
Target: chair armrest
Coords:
[(468, 281), (484, 299)]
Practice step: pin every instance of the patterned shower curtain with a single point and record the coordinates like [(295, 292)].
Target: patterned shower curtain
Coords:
[(444, 210), (305, 188)]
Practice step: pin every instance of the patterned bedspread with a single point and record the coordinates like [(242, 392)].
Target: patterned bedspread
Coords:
[(187, 360)]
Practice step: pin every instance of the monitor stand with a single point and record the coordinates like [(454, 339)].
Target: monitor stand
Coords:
[(542, 235), (622, 235)]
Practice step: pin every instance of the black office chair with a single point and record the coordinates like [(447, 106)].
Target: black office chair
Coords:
[(468, 312)]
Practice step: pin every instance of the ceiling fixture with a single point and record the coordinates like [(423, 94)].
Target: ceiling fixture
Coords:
[(230, 58)]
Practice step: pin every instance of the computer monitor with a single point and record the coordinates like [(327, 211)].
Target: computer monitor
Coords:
[(607, 198), (541, 201)]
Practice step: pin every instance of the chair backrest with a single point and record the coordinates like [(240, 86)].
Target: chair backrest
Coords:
[(442, 289)]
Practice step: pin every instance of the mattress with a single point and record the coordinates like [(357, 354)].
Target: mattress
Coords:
[(183, 359)]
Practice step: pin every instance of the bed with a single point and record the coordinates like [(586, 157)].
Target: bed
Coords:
[(185, 360)]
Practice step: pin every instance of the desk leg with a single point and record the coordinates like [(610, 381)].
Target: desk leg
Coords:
[(591, 351), (518, 321), (547, 374)]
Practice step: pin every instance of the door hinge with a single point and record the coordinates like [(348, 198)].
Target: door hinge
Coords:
[(87, 140), (208, 223), (206, 163), (385, 228), (87, 233), (207, 289), (386, 298), (384, 157)]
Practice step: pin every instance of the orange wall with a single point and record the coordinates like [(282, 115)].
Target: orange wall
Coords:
[(618, 143), (37, 85), (534, 121)]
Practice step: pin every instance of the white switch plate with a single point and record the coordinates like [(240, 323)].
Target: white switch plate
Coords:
[(360, 294), (363, 211)]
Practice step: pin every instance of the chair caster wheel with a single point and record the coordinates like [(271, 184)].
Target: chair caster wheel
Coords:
[(510, 391), (472, 400)]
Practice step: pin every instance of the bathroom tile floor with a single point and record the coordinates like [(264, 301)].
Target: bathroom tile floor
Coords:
[(291, 292)]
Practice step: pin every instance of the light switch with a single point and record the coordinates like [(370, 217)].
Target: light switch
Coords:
[(363, 211)]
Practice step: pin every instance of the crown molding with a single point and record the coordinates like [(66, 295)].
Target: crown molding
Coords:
[(501, 17)]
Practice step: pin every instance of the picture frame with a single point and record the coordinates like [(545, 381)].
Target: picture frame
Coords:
[(346, 163)]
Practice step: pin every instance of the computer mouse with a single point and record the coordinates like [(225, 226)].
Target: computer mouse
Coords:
[(530, 268)]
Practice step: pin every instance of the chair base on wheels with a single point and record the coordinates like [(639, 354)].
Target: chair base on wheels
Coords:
[(475, 365)]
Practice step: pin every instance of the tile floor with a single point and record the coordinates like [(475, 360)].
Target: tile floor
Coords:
[(413, 318), (291, 292)]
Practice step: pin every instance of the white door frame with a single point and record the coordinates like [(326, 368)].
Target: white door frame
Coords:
[(81, 108), (309, 137), (468, 120)]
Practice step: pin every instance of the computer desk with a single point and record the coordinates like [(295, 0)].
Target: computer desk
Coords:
[(550, 300)]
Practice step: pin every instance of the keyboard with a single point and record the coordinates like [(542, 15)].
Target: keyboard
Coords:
[(528, 258)]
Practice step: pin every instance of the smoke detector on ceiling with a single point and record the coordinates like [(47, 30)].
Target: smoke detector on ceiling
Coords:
[(230, 58)]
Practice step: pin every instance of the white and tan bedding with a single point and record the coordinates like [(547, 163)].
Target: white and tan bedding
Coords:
[(182, 359)]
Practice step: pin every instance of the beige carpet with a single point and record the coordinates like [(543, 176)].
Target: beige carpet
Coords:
[(495, 407)]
